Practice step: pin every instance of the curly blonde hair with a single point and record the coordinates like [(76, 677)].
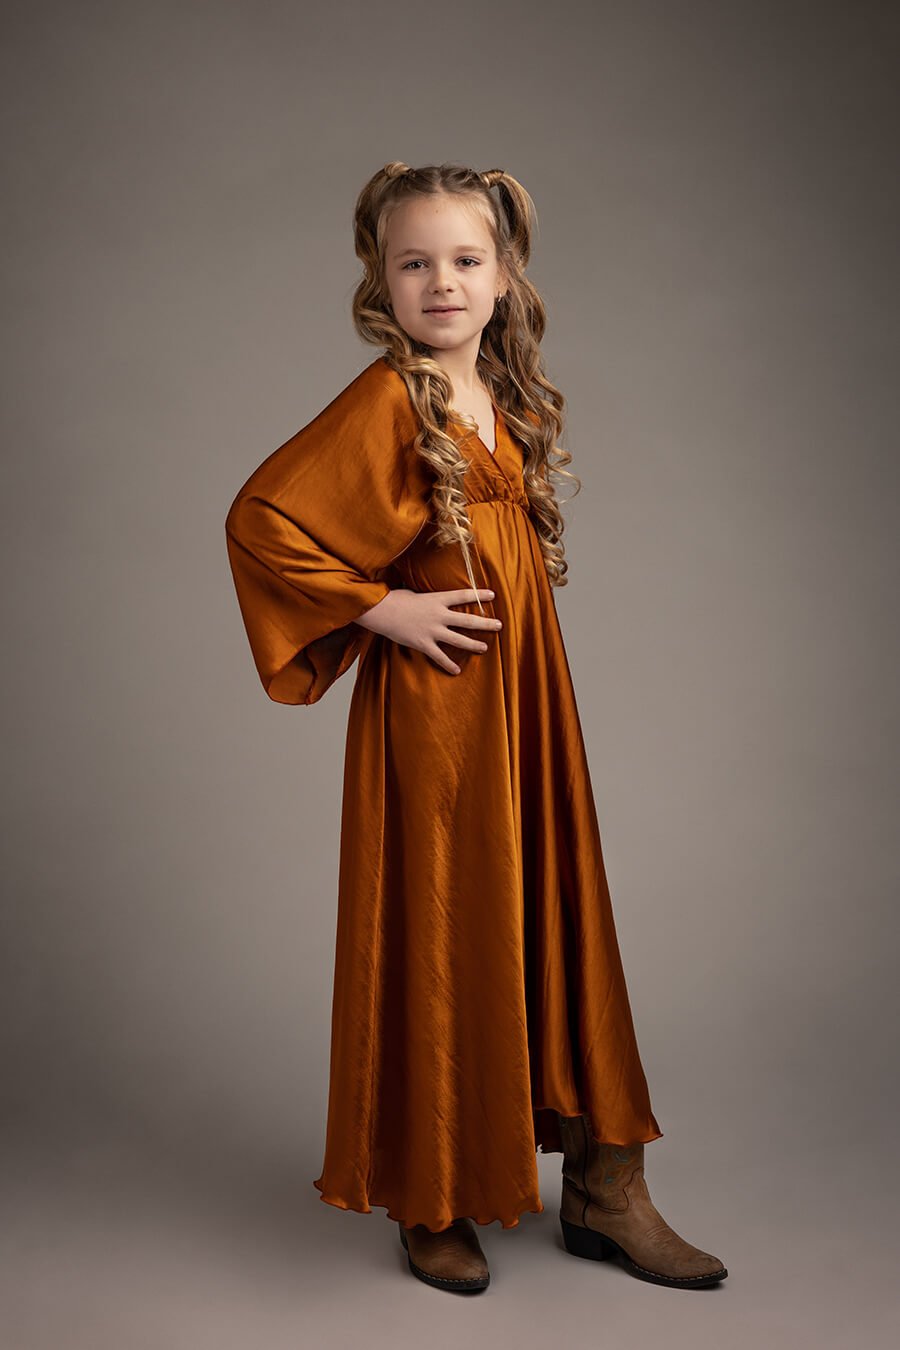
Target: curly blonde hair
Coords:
[(509, 360)]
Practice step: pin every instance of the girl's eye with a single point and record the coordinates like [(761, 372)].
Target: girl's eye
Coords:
[(417, 261)]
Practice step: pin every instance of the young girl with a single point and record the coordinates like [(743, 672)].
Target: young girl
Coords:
[(480, 1009)]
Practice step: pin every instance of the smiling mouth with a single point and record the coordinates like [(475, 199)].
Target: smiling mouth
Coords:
[(444, 309)]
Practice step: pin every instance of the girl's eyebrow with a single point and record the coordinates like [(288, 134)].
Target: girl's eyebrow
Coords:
[(460, 248)]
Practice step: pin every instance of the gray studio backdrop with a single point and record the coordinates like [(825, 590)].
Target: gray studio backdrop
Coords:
[(717, 210)]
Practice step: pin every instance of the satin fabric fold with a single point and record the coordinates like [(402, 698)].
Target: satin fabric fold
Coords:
[(478, 983)]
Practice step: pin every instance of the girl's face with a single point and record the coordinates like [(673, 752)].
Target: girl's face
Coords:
[(439, 256)]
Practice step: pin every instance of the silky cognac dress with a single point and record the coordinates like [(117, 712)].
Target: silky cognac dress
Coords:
[(478, 984)]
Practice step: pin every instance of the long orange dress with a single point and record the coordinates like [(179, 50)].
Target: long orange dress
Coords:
[(478, 984)]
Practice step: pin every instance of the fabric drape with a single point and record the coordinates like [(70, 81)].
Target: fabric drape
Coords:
[(478, 982)]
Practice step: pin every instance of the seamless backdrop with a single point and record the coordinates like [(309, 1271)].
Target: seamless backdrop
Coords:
[(717, 202)]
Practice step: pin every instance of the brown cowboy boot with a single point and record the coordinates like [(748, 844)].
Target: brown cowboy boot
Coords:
[(451, 1259), (606, 1211)]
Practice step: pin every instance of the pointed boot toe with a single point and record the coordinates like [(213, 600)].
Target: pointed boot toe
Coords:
[(606, 1212)]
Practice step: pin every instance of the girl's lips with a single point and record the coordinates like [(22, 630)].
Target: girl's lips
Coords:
[(443, 313)]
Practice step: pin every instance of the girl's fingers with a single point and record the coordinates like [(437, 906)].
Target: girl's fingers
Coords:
[(449, 637), (459, 640), (474, 620), (466, 597), (440, 659)]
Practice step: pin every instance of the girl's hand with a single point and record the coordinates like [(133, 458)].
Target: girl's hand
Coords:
[(421, 619)]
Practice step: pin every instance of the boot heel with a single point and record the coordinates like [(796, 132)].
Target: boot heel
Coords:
[(585, 1242)]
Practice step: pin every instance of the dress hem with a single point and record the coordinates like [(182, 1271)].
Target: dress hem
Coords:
[(513, 1222), (532, 1204), (548, 1139)]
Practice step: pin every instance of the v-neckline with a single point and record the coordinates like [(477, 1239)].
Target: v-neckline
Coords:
[(481, 441), (500, 431)]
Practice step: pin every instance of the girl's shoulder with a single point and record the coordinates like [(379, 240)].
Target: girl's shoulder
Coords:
[(360, 445), (370, 423), (377, 391)]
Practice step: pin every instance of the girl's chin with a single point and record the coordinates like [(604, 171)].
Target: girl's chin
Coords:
[(444, 341)]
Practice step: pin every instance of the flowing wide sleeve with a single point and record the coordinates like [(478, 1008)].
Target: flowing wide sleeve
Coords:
[(316, 524)]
